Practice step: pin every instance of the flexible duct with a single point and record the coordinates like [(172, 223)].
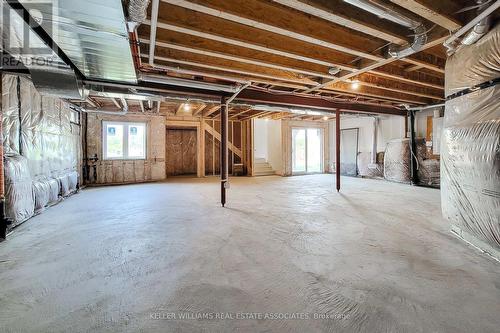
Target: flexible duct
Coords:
[(479, 29), (137, 10), (478, 25), (388, 13)]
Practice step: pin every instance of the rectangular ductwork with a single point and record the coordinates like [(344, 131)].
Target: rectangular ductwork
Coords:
[(49, 73), (93, 35)]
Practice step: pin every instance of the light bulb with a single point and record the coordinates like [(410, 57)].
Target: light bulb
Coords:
[(187, 107), (355, 84)]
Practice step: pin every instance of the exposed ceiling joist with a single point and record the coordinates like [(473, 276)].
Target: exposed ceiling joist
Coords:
[(432, 10), (387, 85), (211, 110), (252, 46), (232, 70), (274, 29), (343, 15), (239, 59), (234, 116), (255, 96), (374, 65), (312, 58)]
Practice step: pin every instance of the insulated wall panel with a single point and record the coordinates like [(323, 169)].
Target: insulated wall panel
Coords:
[(470, 153)]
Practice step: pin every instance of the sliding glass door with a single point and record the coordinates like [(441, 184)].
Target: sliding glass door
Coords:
[(307, 150)]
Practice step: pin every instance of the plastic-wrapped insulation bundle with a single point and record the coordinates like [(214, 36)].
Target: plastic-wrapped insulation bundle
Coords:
[(428, 168), (18, 190), (397, 161), (470, 153)]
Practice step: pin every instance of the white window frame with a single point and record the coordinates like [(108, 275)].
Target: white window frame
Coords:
[(126, 125)]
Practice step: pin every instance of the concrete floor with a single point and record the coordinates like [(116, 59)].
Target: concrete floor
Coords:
[(375, 258)]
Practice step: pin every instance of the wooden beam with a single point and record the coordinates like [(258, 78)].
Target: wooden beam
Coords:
[(255, 115), (217, 135), (229, 67), (240, 113), (413, 68), (179, 108), (265, 16), (199, 110), (211, 110), (374, 65), (208, 53), (338, 13), (310, 102), (424, 64), (253, 46), (291, 49), (115, 102), (382, 85), (434, 11)]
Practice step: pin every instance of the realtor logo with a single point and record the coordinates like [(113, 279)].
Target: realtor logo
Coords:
[(21, 45)]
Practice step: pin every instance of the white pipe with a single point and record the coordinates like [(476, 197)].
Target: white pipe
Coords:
[(230, 99), (374, 140), (238, 59), (425, 107), (199, 73), (152, 37), (187, 83)]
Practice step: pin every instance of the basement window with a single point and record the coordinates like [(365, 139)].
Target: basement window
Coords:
[(123, 140)]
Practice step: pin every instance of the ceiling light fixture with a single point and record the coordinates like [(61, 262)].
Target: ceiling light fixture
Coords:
[(355, 84), (187, 107)]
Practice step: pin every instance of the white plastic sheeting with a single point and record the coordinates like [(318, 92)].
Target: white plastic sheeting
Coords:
[(42, 147), (470, 153), (397, 161)]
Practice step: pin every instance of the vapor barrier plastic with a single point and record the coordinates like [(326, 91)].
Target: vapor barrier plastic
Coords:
[(397, 161), (470, 158), (367, 169), (19, 198), (39, 129), (428, 168)]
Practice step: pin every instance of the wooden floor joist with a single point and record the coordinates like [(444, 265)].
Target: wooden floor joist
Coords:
[(314, 47)]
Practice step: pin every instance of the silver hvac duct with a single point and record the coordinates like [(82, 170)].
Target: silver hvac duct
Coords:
[(386, 12), (479, 29), (49, 73), (59, 82), (479, 26)]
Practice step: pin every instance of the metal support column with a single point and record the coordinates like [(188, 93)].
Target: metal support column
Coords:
[(337, 148), (413, 150), (223, 150)]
